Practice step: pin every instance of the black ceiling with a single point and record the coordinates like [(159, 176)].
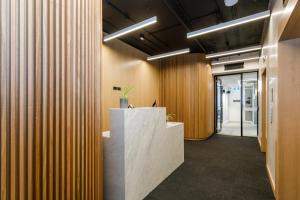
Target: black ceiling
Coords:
[(177, 17)]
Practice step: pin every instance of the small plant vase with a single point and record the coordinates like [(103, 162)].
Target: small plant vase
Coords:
[(123, 103)]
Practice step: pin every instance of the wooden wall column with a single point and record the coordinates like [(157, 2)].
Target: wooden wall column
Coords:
[(263, 115), (288, 145), (187, 90), (50, 99)]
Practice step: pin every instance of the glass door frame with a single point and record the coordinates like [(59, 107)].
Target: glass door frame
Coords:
[(242, 100)]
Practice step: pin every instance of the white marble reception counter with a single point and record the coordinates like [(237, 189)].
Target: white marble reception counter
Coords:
[(140, 151)]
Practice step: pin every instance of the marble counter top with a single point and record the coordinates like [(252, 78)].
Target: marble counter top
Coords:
[(140, 151)]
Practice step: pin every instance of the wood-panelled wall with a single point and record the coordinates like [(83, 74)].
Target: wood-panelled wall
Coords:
[(263, 114), (187, 90), (50, 99), (123, 65), (288, 143)]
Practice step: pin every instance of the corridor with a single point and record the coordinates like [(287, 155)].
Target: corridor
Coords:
[(221, 168)]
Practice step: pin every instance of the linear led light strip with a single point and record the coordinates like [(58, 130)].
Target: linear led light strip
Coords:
[(230, 24), (173, 53), (131, 28), (234, 61), (232, 52)]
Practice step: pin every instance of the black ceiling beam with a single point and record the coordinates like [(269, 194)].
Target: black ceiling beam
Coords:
[(221, 16), (234, 16), (117, 9), (206, 15), (182, 22), (180, 9), (144, 44), (166, 28), (126, 15)]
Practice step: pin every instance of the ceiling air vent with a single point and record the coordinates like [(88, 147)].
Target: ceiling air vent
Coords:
[(234, 66)]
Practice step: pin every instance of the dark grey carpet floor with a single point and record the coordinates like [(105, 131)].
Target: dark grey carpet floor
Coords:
[(221, 168)]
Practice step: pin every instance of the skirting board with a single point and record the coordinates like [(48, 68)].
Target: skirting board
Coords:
[(271, 180), (199, 139), (259, 142)]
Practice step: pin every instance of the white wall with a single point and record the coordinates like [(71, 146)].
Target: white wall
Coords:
[(231, 109), (225, 108), (234, 107)]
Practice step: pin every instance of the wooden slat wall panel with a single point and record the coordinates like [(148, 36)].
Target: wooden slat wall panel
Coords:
[(186, 89), (50, 73)]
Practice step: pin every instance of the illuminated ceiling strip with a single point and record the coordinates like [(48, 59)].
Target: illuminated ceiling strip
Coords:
[(233, 61), (173, 53), (130, 29), (230, 24), (232, 52)]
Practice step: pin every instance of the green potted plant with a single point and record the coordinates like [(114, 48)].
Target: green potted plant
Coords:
[(124, 96), (170, 117)]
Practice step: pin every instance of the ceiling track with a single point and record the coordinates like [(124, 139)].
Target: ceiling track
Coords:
[(221, 17), (166, 28), (203, 16), (235, 16)]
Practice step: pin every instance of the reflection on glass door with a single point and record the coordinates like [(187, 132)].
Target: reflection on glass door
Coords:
[(250, 104), (219, 105), (229, 113)]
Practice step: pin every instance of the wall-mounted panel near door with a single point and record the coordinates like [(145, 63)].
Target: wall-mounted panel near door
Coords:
[(236, 104)]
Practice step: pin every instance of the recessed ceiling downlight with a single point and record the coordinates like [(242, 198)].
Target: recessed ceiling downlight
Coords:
[(230, 3), (142, 37)]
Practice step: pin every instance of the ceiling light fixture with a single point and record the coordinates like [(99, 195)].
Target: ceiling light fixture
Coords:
[(131, 28), (142, 37), (232, 52), (233, 61), (230, 3), (236, 22), (173, 53)]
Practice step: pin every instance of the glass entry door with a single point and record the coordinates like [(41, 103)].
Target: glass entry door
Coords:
[(236, 103), (229, 113)]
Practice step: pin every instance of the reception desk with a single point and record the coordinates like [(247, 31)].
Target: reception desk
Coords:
[(140, 151)]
